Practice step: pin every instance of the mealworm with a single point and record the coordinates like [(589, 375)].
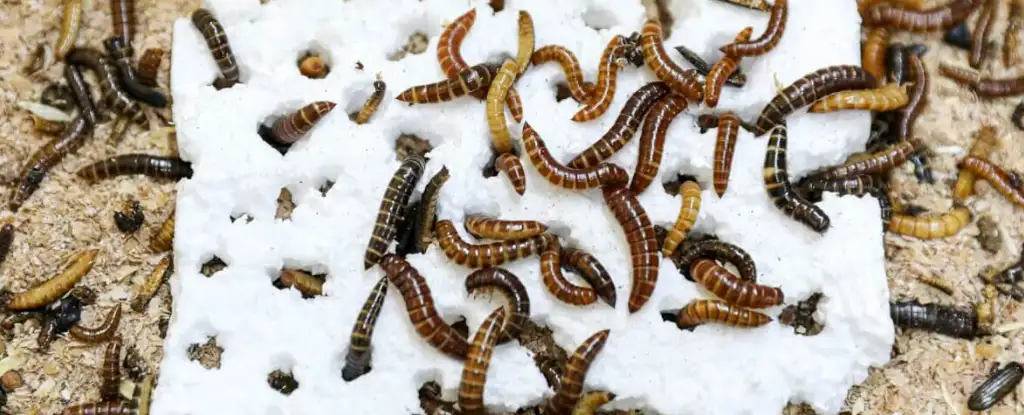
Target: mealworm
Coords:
[(161, 273), (768, 40), (1011, 39), (698, 312), (873, 51), (513, 168), (722, 70), (419, 305), (69, 25), (999, 179), (121, 54), (114, 97), (937, 283), (145, 390), (737, 79), (604, 174), (105, 331), (1017, 118), (983, 86), (652, 140), (484, 227), (144, 164), (643, 246), (625, 126), (944, 320), (982, 29), (853, 185), (590, 401), (103, 408), (501, 139), (592, 271), (217, 42), (428, 208), (390, 212), (515, 293), (556, 283), (450, 43), (130, 218), (887, 98), (304, 282), (550, 369), (725, 145), (486, 255), (122, 17), (357, 359), (984, 143), (810, 88), (600, 97), (718, 250), (290, 128), (526, 42), (895, 62), (371, 104), (474, 78), (6, 239), (35, 169), (474, 374), (958, 36), (163, 239), (571, 386), (863, 5), (776, 182), (908, 20), (80, 91), (149, 66), (918, 97), (408, 235), (761, 5), (996, 387), (690, 193), (680, 81), (876, 163), (49, 291), (931, 227), (733, 289), (110, 372), (578, 88)]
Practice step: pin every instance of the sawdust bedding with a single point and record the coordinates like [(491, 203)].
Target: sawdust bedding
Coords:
[(928, 373)]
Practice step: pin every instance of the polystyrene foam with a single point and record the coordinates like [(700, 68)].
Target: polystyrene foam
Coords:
[(646, 362)]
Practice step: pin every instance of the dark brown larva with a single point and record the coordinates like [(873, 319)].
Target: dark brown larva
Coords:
[(996, 387), (853, 185), (776, 182), (725, 146), (722, 70), (592, 271), (474, 375), (600, 98), (643, 246), (579, 88), (217, 42), (876, 163), (984, 86), (718, 250), (768, 40), (357, 359), (698, 312), (680, 81), (575, 371), (624, 128), (948, 321), (556, 283), (810, 88), (149, 66), (110, 372), (290, 128), (130, 218), (931, 227), (121, 53), (371, 104), (390, 212), (734, 290), (6, 238), (485, 227), (122, 17), (512, 288), (420, 306), (144, 164), (513, 168), (103, 408), (934, 19), (652, 140), (163, 239), (486, 255), (918, 97), (114, 97), (35, 169), (83, 97), (873, 51), (1006, 184), (475, 78), (105, 331), (982, 29), (604, 174), (428, 209)]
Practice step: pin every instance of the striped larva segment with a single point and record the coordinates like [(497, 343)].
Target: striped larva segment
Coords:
[(47, 156), (936, 318), (984, 143), (1008, 185), (83, 97), (624, 128), (875, 163), (643, 245), (1011, 39), (983, 86), (1001, 383), (810, 88), (652, 140), (359, 354), (918, 97), (217, 42), (110, 372), (151, 284), (718, 250), (144, 164), (928, 20), (887, 98), (761, 5), (698, 312), (600, 97), (501, 138), (982, 29), (733, 289), (103, 408), (450, 43), (571, 385), (680, 81), (690, 192), (485, 227), (590, 401), (776, 182), (768, 40), (114, 97), (578, 88), (864, 5), (873, 50), (604, 174), (526, 42), (303, 282), (725, 145), (392, 207), (428, 208), (514, 291), (853, 185), (292, 127), (123, 20), (6, 238), (53, 289), (486, 255), (474, 374), (121, 53), (556, 283), (420, 306), (588, 267), (370, 106), (70, 22), (931, 227), (101, 333), (163, 239), (510, 164), (722, 70), (469, 80), (149, 66)]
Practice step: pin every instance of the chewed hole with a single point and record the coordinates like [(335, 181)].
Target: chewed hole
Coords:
[(562, 92), (213, 266), (461, 326), (162, 325), (207, 354), (496, 5), (285, 205), (282, 381), (134, 364), (325, 187), (431, 401), (417, 44), (308, 284), (802, 316), (599, 18), (315, 62), (245, 217), (408, 144)]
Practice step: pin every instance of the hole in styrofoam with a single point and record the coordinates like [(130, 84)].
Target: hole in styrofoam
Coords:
[(416, 44), (496, 5), (206, 354), (245, 217), (562, 92), (805, 316), (285, 205), (315, 62), (408, 144), (461, 326), (162, 325), (325, 187), (213, 266), (305, 282), (282, 381), (598, 18)]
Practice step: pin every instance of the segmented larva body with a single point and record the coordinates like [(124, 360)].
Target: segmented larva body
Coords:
[(6, 239), (83, 97), (149, 66), (810, 88), (303, 282), (776, 182), (718, 250), (121, 52), (887, 98), (643, 245), (652, 140), (592, 271), (996, 387), (761, 5), (105, 331), (144, 164), (357, 359), (150, 285), (513, 168), (420, 306), (69, 25), (526, 42), (877, 163), (578, 88), (47, 156), (501, 139), (428, 208), (391, 208), (948, 321), (738, 79), (123, 20), (163, 239), (680, 81), (486, 255), (722, 70), (103, 408), (624, 128), (474, 374), (768, 40), (515, 293), (600, 98), (931, 227), (982, 29), (145, 393), (690, 192), (1011, 39), (934, 19), (983, 86), (725, 145), (114, 97), (918, 97), (698, 312), (450, 43), (872, 52), (571, 385), (590, 401), (937, 283), (998, 178), (733, 289), (604, 174), (557, 284), (474, 78), (53, 289), (371, 104), (292, 127), (895, 62), (864, 5), (985, 142), (110, 372), (217, 42), (853, 185), (485, 227)]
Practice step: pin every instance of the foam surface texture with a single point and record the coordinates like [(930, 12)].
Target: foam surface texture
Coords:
[(648, 363)]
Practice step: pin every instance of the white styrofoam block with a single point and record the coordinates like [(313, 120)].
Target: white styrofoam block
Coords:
[(646, 362)]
